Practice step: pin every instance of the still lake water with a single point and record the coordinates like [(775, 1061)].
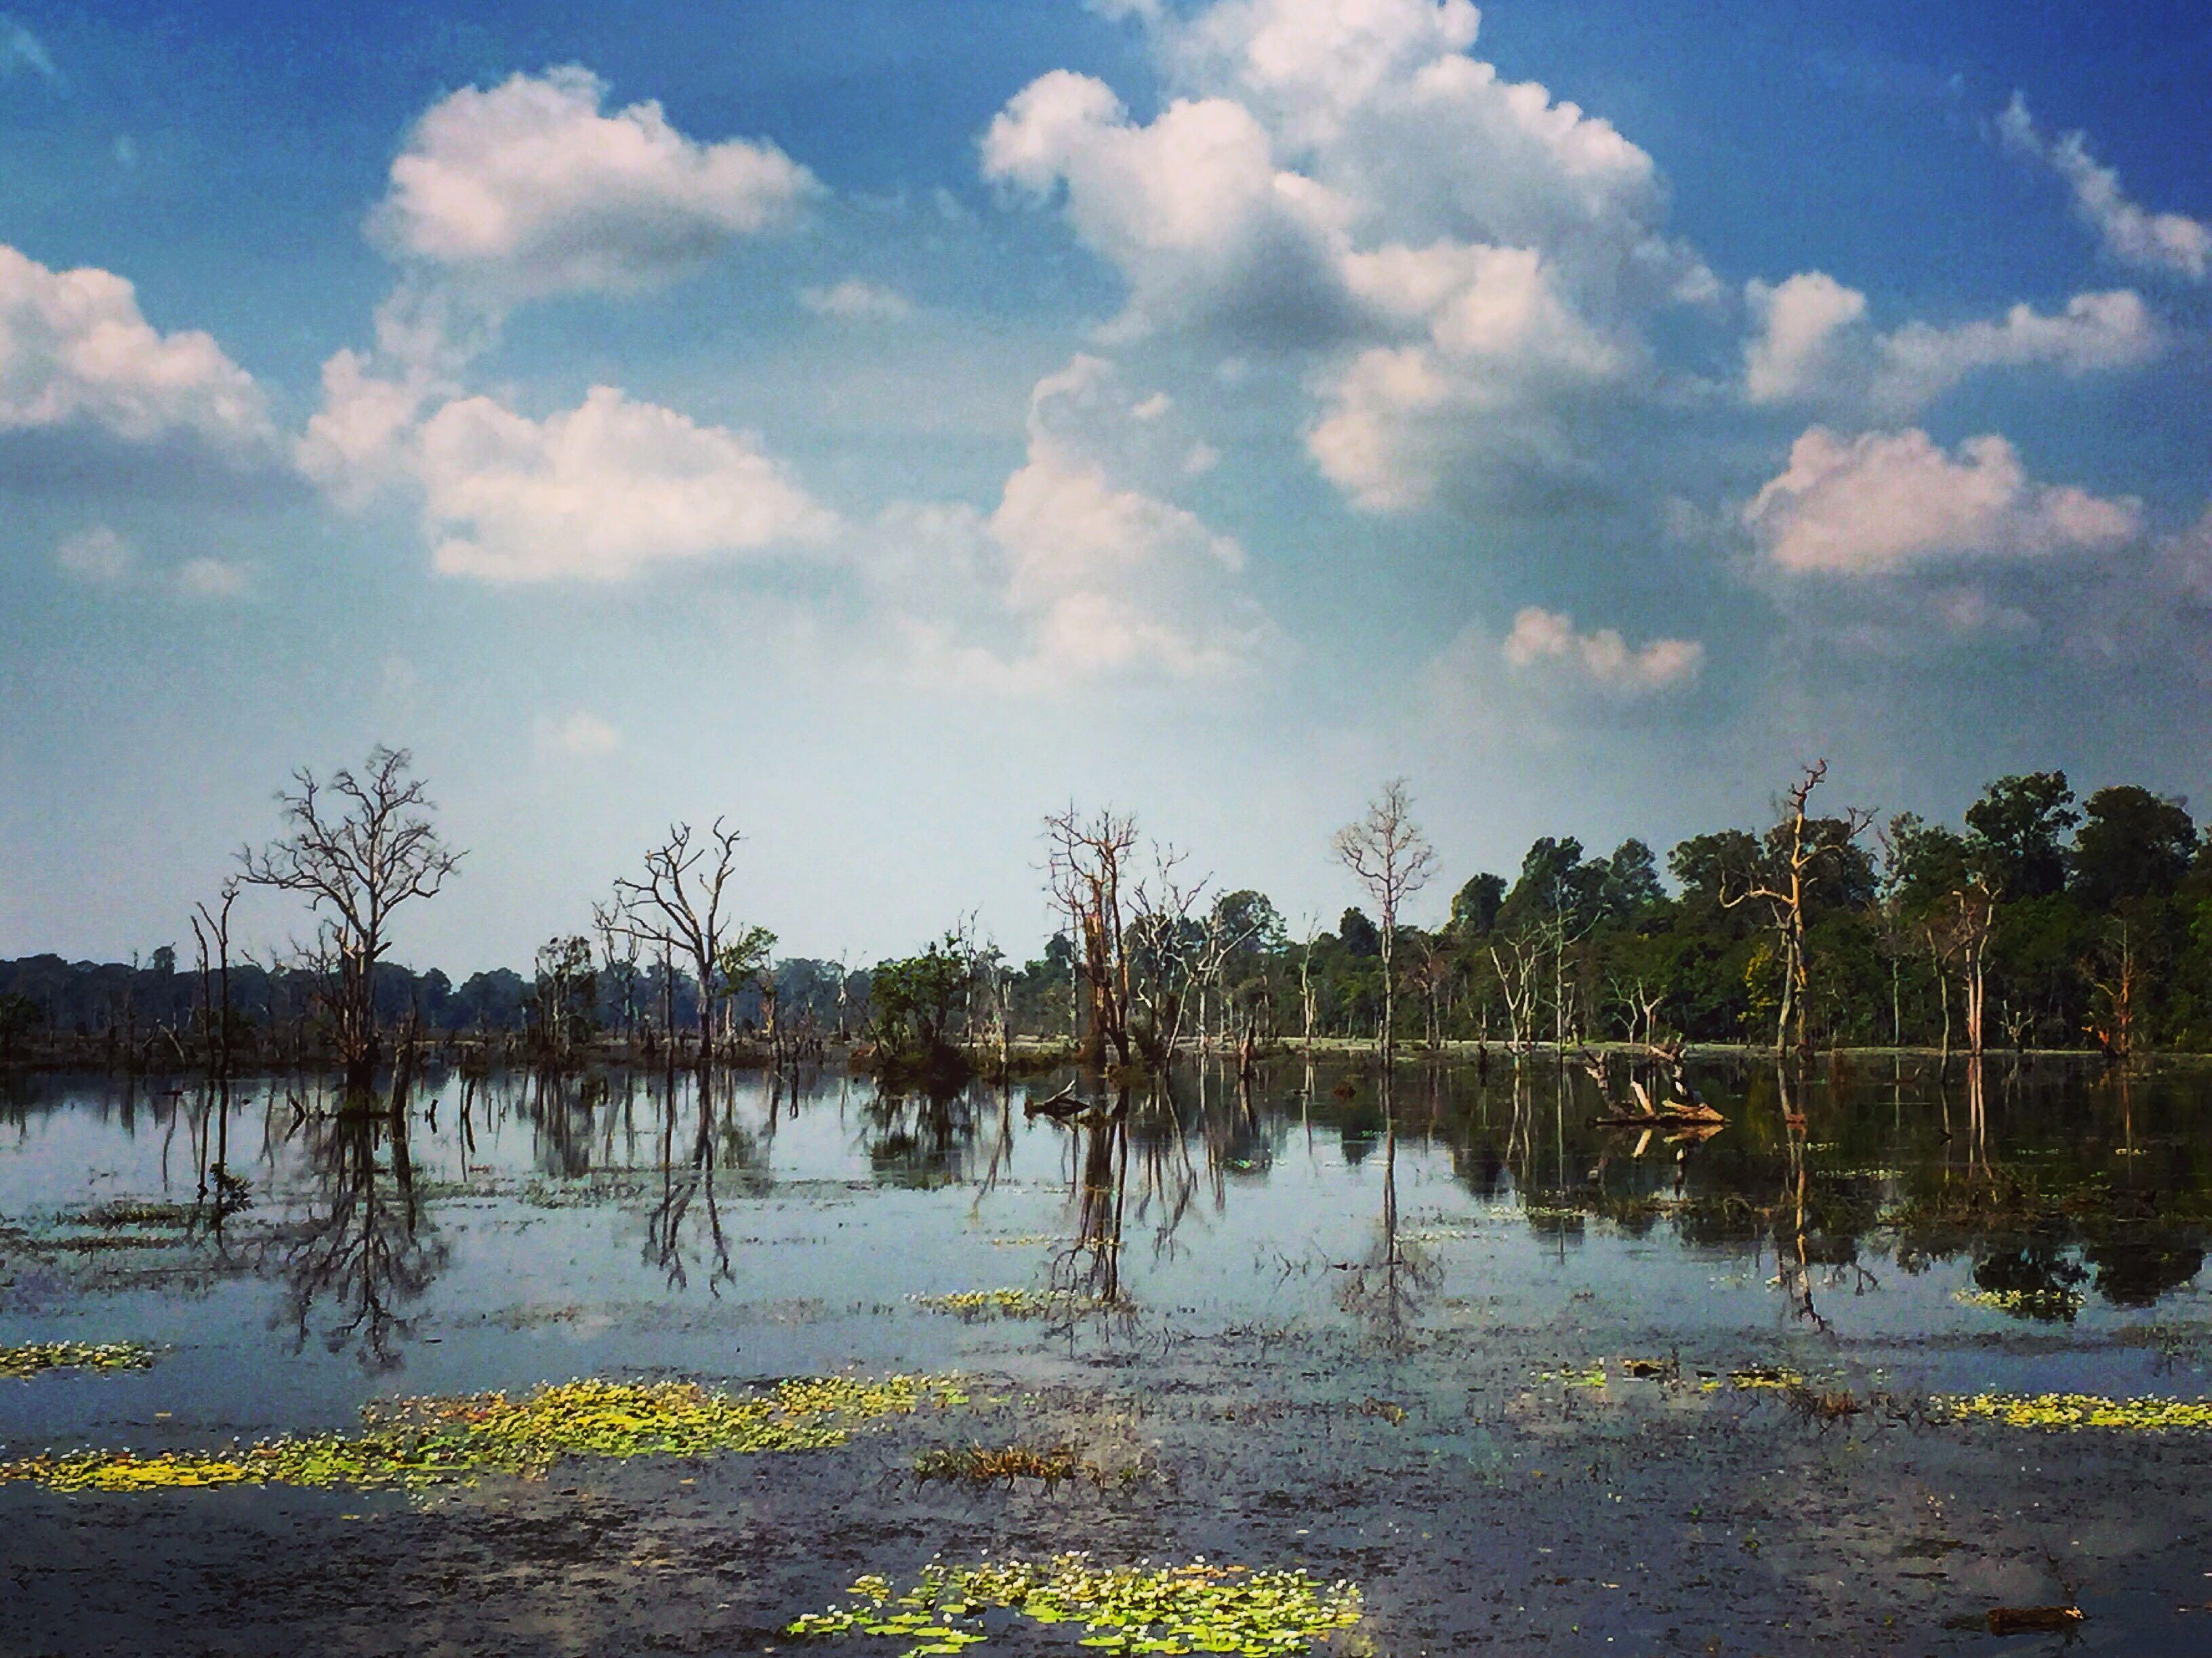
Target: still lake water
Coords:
[(1460, 1246)]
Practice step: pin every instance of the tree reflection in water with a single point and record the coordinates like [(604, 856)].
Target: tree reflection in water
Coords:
[(365, 1249), (1090, 1268), (1385, 1289), (919, 1137), (687, 1166)]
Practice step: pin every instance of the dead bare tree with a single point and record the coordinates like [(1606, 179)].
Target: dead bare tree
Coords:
[(1517, 959), (1168, 961), (1390, 856), (1084, 865), (211, 933), (618, 951), (677, 907), (357, 848), (1972, 921), (1305, 981), (1784, 884), (2116, 979)]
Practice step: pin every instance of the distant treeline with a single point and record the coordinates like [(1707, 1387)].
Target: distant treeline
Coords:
[(2039, 922), (140, 1004)]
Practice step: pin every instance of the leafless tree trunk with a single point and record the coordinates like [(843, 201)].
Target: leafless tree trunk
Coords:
[(678, 907), (618, 949), (1783, 890), (357, 848), (1973, 920), (1084, 860), (1305, 983), (1517, 981), (211, 932), (1390, 856)]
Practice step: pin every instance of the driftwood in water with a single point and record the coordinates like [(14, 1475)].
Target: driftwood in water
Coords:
[(2028, 1620), (1688, 1112), (1059, 1108)]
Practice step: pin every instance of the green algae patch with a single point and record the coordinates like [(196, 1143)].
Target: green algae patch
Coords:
[(1595, 1376), (2024, 1303), (413, 1442), (974, 1305), (1198, 1608), (2067, 1411), (1752, 1377), (39, 1356)]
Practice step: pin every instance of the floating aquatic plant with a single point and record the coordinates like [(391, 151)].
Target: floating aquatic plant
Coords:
[(2074, 1411), (1592, 1377), (1199, 1608), (1755, 1377), (40, 1356), (422, 1441), (136, 1211), (2026, 1303), (977, 1305)]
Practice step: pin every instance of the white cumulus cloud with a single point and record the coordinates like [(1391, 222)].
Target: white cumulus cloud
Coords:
[(1471, 255), (579, 734), (1085, 568), (2170, 242), (600, 492), (2095, 332), (1812, 342), (98, 555), (855, 300), (75, 348), (532, 188), (212, 578), (1546, 639), (1883, 502), (1798, 322)]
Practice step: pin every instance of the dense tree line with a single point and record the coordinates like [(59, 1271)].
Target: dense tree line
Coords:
[(2041, 919)]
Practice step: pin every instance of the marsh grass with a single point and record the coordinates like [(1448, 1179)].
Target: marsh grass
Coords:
[(981, 1467)]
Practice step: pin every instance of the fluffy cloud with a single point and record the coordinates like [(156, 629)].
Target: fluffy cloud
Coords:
[(361, 440), (529, 189), (1798, 323), (598, 492), (855, 301), (211, 579), (2170, 242), (1811, 344), (74, 349), (578, 734), (1471, 253), (1546, 640), (1504, 359), (98, 555), (1192, 209), (1084, 570), (2096, 332), (1885, 502), (358, 442)]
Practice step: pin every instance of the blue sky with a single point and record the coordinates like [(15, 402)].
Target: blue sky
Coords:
[(884, 423)]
